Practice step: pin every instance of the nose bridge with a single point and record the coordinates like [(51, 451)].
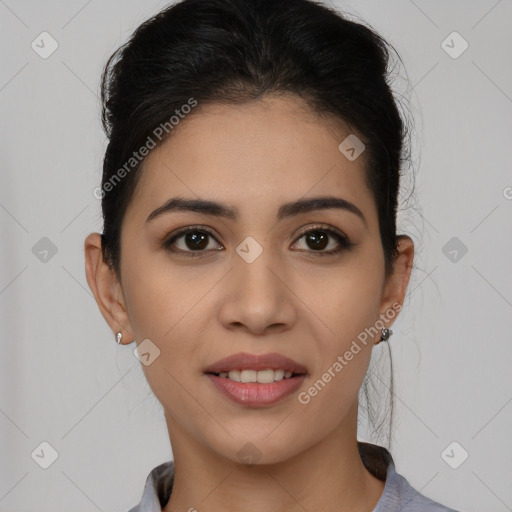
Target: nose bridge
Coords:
[(255, 266), (257, 296)]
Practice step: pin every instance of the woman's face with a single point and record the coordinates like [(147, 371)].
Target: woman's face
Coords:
[(255, 284)]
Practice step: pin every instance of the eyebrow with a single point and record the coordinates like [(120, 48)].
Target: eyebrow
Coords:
[(179, 204)]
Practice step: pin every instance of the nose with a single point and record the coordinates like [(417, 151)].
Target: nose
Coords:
[(259, 297)]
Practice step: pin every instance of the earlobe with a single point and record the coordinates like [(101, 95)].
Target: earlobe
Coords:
[(395, 287), (105, 287)]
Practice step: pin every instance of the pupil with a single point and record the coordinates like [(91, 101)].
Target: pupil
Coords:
[(319, 241), (198, 240)]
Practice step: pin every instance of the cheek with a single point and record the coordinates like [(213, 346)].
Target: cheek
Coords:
[(163, 307), (170, 307), (346, 299), (160, 296), (346, 302)]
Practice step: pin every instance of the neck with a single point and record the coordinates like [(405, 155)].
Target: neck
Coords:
[(329, 476)]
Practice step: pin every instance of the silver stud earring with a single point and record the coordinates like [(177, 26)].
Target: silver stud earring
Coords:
[(119, 337), (385, 334)]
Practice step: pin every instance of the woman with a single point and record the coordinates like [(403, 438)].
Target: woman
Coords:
[(249, 198)]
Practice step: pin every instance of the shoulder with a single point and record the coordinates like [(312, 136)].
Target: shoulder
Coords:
[(157, 489), (400, 495)]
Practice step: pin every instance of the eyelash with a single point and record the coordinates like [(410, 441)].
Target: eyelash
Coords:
[(344, 242)]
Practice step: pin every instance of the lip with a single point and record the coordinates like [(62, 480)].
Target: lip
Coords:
[(245, 361), (254, 394)]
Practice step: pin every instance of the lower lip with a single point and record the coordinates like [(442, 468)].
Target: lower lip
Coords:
[(254, 394)]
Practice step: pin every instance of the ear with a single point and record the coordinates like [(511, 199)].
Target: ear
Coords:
[(106, 288), (396, 283)]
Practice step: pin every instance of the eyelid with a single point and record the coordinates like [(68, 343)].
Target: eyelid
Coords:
[(168, 240), (321, 227)]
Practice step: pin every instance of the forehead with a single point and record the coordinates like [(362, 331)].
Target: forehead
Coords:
[(256, 156)]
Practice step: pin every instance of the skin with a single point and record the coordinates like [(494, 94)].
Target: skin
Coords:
[(289, 300)]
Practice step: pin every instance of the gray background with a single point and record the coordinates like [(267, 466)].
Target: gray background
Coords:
[(64, 381)]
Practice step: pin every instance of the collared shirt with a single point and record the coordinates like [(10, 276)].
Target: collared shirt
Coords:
[(398, 494)]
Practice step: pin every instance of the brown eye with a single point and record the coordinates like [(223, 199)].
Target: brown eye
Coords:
[(196, 240), (319, 238), (191, 240)]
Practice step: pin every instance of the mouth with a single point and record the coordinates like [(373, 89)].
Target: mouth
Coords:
[(244, 367), (256, 380), (262, 376)]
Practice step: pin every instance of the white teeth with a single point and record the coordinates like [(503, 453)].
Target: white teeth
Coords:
[(278, 374), (261, 376), (265, 376), (248, 375), (234, 375)]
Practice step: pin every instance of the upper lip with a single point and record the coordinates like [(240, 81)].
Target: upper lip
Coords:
[(245, 361)]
